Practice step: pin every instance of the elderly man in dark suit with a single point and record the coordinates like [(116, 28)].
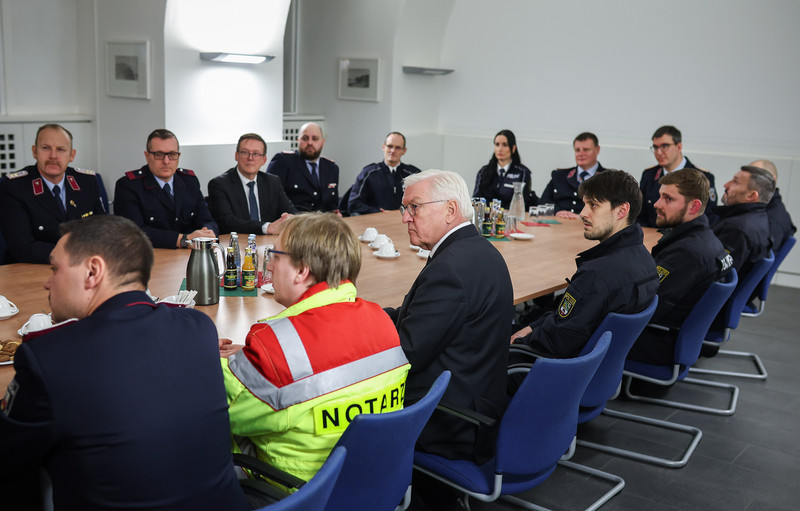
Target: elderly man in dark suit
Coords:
[(310, 181), (457, 315), (162, 199), (244, 199)]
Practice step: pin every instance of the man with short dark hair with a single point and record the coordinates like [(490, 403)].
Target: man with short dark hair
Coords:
[(294, 384), (309, 180), (617, 275), (245, 199), (122, 403), (36, 199), (379, 186), (781, 227), (562, 190), (743, 226), (689, 257), (162, 199), (668, 150)]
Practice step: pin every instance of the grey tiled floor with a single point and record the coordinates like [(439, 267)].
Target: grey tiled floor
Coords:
[(746, 462)]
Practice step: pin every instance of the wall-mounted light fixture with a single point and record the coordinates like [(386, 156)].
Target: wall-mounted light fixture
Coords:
[(235, 58), (430, 71)]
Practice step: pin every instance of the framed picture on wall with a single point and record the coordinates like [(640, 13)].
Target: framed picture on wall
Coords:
[(358, 79), (128, 69)]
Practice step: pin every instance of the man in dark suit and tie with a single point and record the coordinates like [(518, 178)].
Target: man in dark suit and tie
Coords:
[(162, 199), (457, 316), (310, 182), (35, 200), (244, 199)]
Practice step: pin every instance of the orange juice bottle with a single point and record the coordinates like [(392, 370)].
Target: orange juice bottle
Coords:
[(248, 271)]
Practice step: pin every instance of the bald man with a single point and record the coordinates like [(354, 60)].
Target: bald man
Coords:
[(310, 181), (781, 227)]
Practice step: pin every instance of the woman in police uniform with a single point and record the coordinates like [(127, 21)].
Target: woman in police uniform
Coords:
[(496, 179)]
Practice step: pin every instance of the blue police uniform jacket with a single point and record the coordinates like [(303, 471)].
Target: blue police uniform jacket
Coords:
[(503, 187), (299, 186), (124, 409), (743, 230), (651, 192), (781, 227), (616, 275), (377, 188), (140, 198), (562, 190), (688, 259), (30, 215)]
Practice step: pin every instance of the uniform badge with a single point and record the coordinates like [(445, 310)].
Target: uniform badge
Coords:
[(134, 174), (15, 175), (38, 187), (86, 171), (566, 305), (73, 184), (662, 273), (188, 172), (658, 174), (713, 195), (571, 173), (331, 185)]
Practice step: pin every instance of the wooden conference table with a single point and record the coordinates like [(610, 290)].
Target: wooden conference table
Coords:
[(537, 267)]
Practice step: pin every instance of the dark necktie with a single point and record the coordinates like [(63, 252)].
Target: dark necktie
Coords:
[(584, 175), (314, 176), (251, 197), (168, 191), (57, 195)]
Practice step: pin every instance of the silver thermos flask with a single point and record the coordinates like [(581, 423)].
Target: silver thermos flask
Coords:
[(203, 271)]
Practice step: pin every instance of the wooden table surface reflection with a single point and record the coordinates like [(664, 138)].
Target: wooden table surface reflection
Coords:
[(537, 267)]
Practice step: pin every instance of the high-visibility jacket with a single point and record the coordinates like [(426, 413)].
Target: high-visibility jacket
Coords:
[(306, 372)]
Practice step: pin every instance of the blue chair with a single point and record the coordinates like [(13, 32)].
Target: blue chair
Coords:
[(538, 427), (380, 449), (313, 495), (732, 312), (763, 287), (687, 349), (606, 385), (380, 455)]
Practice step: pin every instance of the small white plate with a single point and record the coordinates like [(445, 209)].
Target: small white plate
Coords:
[(361, 239), (268, 288), (520, 236), (7, 362), (172, 302), (414, 247), (395, 256), (424, 253)]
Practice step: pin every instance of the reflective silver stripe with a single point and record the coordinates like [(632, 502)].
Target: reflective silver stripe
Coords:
[(293, 348), (317, 384)]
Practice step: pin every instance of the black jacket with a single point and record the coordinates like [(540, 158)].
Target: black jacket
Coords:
[(743, 230), (377, 188), (229, 204), (562, 190), (650, 194), (291, 168), (503, 188)]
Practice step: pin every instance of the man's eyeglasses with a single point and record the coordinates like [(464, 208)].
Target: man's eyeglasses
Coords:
[(159, 155), (662, 147), (412, 208), (249, 155), (271, 251)]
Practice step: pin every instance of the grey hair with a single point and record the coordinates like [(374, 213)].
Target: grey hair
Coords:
[(445, 185), (762, 182)]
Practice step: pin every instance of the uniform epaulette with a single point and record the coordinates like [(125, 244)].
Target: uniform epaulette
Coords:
[(324, 158), (565, 168), (287, 152), (188, 172), (15, 175), (703, 170), (134, 174), (85, 171)]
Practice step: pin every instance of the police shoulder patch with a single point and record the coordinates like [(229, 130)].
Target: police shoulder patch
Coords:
[(15, 175), (85, 171), (566, 305), (662, 273)]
